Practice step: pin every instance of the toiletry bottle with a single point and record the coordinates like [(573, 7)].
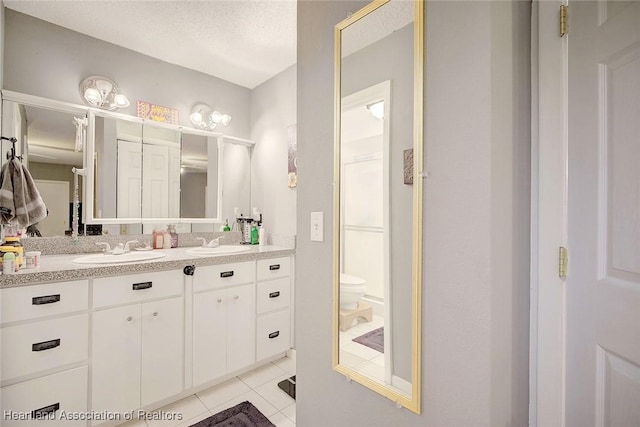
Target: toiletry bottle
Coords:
[(226, 225), (157, 239), (262, 236), (166, 239), (254, 234), (9, 263), (174, 236)]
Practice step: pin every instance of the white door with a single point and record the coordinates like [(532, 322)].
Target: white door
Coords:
[(115, 366), (209, 335), (155, 181), (129, 182), (241, 327), (55, 195), (162, 350), (603, 284)]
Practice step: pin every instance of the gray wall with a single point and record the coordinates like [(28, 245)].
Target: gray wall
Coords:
[(47, 60), (273, 110), (476, 230), (191, 201)]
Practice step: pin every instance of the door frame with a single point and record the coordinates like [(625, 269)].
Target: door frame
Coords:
[(549, 159)]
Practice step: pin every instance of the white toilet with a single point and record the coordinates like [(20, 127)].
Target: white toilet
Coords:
[(352, 289)]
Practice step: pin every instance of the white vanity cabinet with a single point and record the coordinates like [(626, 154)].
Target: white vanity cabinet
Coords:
[(223, 320), (273, 330), (44, 353), (137, 340)]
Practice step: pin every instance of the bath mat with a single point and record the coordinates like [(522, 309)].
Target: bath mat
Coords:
[(289, 386), (242, 415), (373, 339)]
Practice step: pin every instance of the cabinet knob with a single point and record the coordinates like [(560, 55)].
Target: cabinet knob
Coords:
[(129, 319), (155, 313), (219, 300)]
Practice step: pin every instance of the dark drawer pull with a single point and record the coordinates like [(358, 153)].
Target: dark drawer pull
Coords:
[(274, 267), (226, 274), (273, 335), (142, 285), (47, 299), (43, 412), (274, 294), (45, 345)]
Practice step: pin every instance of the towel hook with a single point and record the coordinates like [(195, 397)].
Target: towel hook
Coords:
[(12, 153)]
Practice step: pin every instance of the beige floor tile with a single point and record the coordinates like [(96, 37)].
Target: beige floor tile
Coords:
[(261, 375), (281, 421), (273, 394), (221, 393), (290, 412), (187, 408)]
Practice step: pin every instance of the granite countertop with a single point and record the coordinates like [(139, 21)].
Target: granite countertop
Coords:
[(56, 268)]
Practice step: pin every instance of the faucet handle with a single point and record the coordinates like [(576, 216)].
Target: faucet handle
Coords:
[(204, 241), (126, 245), (107, 247)]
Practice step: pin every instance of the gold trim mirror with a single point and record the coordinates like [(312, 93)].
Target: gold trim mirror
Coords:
[(377, 214)]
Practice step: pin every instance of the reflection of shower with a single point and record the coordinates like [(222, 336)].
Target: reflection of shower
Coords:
[(365, 192)]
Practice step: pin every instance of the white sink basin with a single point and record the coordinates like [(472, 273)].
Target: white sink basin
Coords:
[(115, 259), (220, 250)]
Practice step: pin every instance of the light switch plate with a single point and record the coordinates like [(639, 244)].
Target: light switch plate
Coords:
[(317, 226)]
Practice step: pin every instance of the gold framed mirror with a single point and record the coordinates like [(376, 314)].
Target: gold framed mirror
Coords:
[(377, 233)]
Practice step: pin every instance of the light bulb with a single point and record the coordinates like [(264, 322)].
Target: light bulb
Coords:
[(92, 95), (121, 100), (226, 119), (216, 117), (196, 117)]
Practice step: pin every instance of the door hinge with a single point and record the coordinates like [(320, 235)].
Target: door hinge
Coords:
[(563, 259), (564, 20)]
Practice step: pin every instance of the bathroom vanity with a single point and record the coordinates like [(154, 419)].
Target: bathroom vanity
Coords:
[(90, 341)]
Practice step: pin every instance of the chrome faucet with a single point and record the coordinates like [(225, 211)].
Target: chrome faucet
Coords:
[(126, 245), (214, 243)]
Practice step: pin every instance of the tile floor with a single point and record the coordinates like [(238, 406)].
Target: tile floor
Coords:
[(355, 355), (260, 387)]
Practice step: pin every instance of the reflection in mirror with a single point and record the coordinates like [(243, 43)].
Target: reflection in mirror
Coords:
[(237, 180), (375, 278), (160, 172), (117, 169), (47, 142), (199, 176)]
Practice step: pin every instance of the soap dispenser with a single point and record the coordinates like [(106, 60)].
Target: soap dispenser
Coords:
[(254, 233)]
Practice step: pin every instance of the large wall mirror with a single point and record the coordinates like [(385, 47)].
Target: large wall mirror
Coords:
[(46, 143), (378, 198), (136, 173)]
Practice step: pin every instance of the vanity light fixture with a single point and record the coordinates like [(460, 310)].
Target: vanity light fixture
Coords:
[(376, 109), (203, 117), (101, 92)]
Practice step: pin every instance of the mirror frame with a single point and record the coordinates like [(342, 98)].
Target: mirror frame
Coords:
[(413, 402)]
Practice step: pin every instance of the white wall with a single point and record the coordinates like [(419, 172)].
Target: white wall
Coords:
[(476, 230), (273, 110)]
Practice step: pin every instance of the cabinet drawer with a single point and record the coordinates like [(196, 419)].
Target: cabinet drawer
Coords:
[(273, 295), (108, 291), (272, 333), (56, 398), (224, 275), (46, 344), (273, 268), (33, 302)]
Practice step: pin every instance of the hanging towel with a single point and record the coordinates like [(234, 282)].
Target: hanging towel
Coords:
[(20, 201)]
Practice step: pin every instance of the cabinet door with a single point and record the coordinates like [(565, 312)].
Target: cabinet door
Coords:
[(241, 321), (162, 349), (209, 335), (116, 359)]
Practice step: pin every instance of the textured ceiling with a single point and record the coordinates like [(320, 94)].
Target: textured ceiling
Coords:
[(243, 41)]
